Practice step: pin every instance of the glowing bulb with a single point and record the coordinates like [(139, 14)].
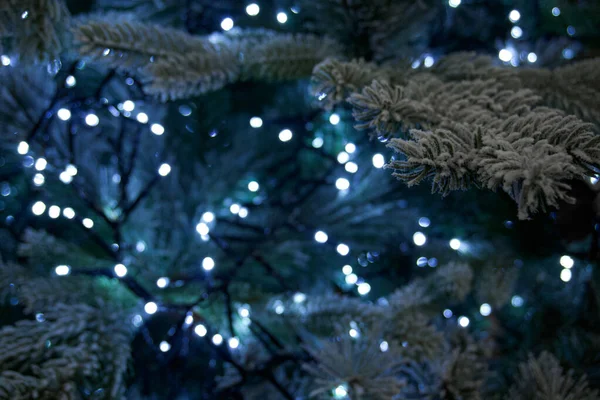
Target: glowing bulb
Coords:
[(517, 301), (5, 60), (282, 17), (455, 244), (128, 105), (244, 311), (253, 186), (454, 3), (54, 212), (340, 392), (164, 346), (463, 321), (71, 169), (162, 282), (208, 263), (252, 9), (419, 238), (514, 16), (353, 333), (347, 269), (424, 222), (532, 57), (38, 179), (189, 319), (217, 339), (321, 237), (40, 164), (556, 11), (23, 148), (428, 62), (64, 114), (285, 135), (378, 161), (317, 142), (505, 55), (62, 270), (343, 157), (565, 275), (70, 81), (243, 212), (570, 30), (92, 119), (363, 288), (65, 177), (208, 217), (202, 228), (164, 169), (150, 307), (140, 246), (88, 223), (256, 122), (342, 184), (120, 270), (351, 279), (142, 118), (567, 262), (234, 208), (38, 207), (447, 313), (516, 32), (233, 342), (351, 167), (334, 119), (200, 330), (68, 213), (384, 346), (485, 309), (343, 249), (157, 129), (227, 24), (299, 297)]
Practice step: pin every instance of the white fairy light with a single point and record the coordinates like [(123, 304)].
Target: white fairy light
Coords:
[(514, 16), (343, 249), (150, 307), (384, 346), (285, 135), (38, 179), (38, 208), (128, 105), (233, 342), (164, 169), (428, 62), (463, 321), (454, 3), (243, 212), (227, 24), (208, 217), (62, 270), (454, 244), (256, 122), (65, 177), (419, 238), (342, 183), (334, 119), (120, 270), (157, 129), (363, 288), (142, 118), (517, 301), (353, 333), (252, 9), (244, 311), (343, 157), (189, 319), (282, 17), (351, 279), (164, 346), (424, 222), (92, 119), (556, 11), (64, 114), (279, 307), (447, 313), (565, 275), (532, 57), (71, 169), (22, 148), (340, 392), (505, 55), (516, 32), (253, 186), (234, 208), (350, 148), (299, 297), (317, 142), (351, 167), (5, 60), (162, 282), (54, 212), (321, 237), (88, 223), (40, 164), (70, 81), (217, 339), (347, 269), (485, 309), (200, 330), (208, 263), (378, 160), (140, 246), (567, 262), (68, 213), (202, 228), (137, 320)]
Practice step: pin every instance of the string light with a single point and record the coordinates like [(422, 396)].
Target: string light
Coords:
[(253, 186), (350, 148), (64, 114), (40, 164), (514, 16), (65, 177), (363, 288), (340, 392), (164, 346), (234, 208), (485, 309), (343, 249), (92, 119), (157, 129), (556, 11), (343, 157), (570, 30), (342, 183), (200, 330), (516, 32), (454, 3), (505, 55), (54, 212), (299, 297), (279, 307), (202, 228), (463, 321), (447, 313), (71, 169), (38, 179), (244, 311), (532, 57), (419, 238), (88, 223), (217, 339), (285, 135), (424, 222), (5, 60), (378, 161), (142, 118), (346, 269), (189, 319), (164, 169), (428, 62), (38, 208), (62, 270), (256, 122), (565, 275), (208, 263), (334, 119), (150, 307), (227, 24), (70, 81), (517, 301), (351, 279), (120, 270), (567, 262), (162, 282), (128, 105), (351, 167), (252, 9), (233, 342), (208, 217), (353, 333), (68, 213), (454, 244), (317, 142), (421, 261), (23, 148), (321, 237), (282, 17), (243, 212)]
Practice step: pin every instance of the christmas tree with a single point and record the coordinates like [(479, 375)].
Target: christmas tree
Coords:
[(333, 199)]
